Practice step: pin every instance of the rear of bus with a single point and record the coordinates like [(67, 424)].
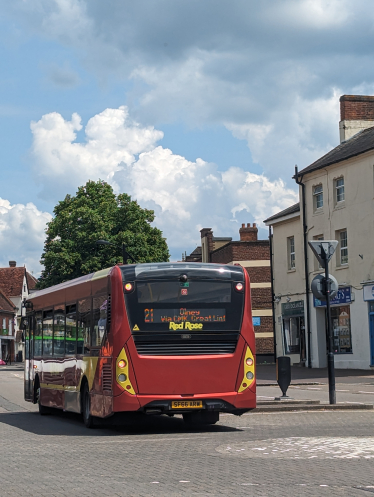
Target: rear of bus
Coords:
[(190, 346)]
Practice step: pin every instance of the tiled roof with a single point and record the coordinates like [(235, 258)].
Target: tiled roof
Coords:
[(358, 144), (197, 251), (11, 280), (5, 303), (31, 281), (290, 210)]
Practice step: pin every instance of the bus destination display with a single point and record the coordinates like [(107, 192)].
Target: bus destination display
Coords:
[(181, 315)]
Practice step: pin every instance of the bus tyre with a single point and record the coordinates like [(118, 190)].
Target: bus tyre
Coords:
[(88, 419), (43, 410), (201, 418)]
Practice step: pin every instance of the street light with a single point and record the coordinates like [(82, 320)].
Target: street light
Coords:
[(125, 254), (324, 250)]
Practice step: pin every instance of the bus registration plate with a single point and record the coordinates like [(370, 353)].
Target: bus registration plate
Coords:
[(187, 404)]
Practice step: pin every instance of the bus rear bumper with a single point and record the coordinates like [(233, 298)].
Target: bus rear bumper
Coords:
[(230, 402)]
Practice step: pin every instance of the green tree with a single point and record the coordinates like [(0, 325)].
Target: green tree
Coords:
[(96, 213)]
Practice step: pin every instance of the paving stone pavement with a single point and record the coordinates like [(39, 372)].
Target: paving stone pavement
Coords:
[(264, 454)]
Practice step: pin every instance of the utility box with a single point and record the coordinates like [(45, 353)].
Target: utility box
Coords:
[(283, 373)]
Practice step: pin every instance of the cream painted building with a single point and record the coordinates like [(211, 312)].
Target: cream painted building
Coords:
[(337, 203)]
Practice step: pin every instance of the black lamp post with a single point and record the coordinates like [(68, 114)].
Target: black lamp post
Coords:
[(125, 253)]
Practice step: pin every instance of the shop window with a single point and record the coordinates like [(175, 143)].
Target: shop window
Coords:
[(291, 252), (47, 332), (71, 330), (99, 320), (341, 325), (317, 197), (291, 334), (38, 335), (84, 326), (59, 331), (339, 190)]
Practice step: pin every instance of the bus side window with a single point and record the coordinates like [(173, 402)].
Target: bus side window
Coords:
[(84, 325), (99, 320), (71, 330), (38, 334), (59, 331), (47, 332)]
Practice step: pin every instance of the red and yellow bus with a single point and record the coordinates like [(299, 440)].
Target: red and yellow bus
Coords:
[(158, 338)]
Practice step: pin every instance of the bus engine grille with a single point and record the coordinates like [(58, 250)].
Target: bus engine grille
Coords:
[(185, 344), (107, 377)]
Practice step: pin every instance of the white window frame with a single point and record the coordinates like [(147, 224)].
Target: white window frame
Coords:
[(339, 190), (318, 197), (291, 253), (343, 248)]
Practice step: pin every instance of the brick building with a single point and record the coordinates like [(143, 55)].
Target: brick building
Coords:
[(7, 321), (254, 256), (16, 283)]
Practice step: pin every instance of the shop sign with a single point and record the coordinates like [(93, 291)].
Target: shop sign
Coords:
[(342, 297), (368, 292), (3, 331), (293, 308), (256, 321)]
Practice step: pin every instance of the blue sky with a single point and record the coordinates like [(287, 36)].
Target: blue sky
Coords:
[(199, 110)]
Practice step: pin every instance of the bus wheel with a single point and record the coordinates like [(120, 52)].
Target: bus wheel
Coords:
[(43, 410), (201, 418), (88, 419)]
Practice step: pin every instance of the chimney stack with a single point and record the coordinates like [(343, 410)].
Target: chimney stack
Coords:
[(356, 114), (248, 234), (12, 264)]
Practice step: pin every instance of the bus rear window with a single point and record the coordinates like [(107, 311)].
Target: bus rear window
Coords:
[(151, 292)]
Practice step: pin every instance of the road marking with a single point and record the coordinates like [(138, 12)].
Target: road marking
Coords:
[(361, 391), (342, 390), (314, 388)]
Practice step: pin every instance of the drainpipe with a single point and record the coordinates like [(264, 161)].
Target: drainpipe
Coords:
[(272, 291), (306, 269)]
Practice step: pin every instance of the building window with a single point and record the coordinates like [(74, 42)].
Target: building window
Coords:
[(291, 252), (343, 248), (339, 190), (318, 197), (341, 325)]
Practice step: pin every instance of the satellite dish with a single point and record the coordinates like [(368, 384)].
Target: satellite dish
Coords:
[(318, 287)]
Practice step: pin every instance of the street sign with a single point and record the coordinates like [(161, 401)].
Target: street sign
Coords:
[(323, 249), (318, 287)]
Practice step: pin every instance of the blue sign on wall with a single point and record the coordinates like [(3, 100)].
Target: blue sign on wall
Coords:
[(256, 321), (341, 298)]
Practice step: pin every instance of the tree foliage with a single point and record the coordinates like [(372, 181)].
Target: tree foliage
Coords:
[(96, 213)]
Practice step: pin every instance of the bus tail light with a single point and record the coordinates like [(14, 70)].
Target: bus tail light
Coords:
[(128, 287), (249, 371), (122, 373), (239, 287)]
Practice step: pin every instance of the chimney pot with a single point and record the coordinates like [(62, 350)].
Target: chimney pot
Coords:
[(12, 264), (248, 233)]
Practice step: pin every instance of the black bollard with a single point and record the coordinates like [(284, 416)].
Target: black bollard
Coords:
[(283, 374)]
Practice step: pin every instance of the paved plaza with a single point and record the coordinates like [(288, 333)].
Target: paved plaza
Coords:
[(261, 454)]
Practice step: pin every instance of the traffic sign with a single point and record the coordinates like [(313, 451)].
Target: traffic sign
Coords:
[(323, 249)]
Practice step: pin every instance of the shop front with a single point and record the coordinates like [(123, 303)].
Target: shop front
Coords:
[(340, 319), (369, 298), (293, 327)]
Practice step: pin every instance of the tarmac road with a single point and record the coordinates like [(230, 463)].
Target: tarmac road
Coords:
[(262, 454)]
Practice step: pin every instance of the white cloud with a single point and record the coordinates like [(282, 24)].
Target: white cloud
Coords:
[(184, 194), (60, 163), (22, 234)]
